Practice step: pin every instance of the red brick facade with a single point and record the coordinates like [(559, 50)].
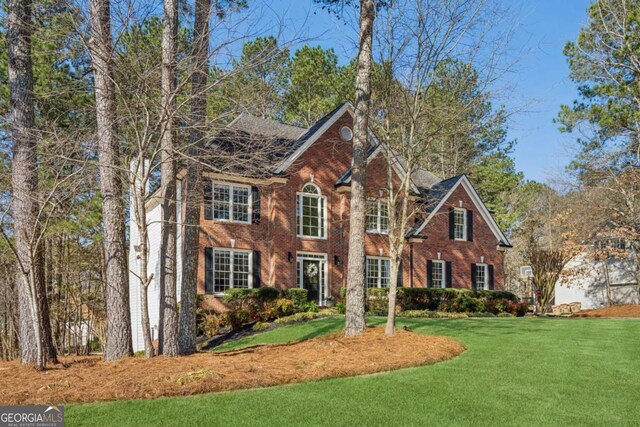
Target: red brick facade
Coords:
[(323, 163)]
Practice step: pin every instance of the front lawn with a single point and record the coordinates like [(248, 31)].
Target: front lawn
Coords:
[(516, 371)]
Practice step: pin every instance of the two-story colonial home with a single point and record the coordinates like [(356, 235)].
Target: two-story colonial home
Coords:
[(281, 219)]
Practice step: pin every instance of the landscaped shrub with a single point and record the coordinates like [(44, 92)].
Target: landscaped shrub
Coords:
[(235, 319), (446, 300), (377, 301), (283, 307), (299, 297), (298, 317), (209, 325)]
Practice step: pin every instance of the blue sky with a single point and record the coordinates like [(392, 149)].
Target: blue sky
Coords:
[(537, 86)]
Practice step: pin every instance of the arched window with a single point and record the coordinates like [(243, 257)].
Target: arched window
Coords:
[(311, 212)]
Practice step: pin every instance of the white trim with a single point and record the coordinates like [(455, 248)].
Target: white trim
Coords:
[(378, 215), (318, 196), (486, 276), (213, 266), (475, 198), (464, 225), (324, 263), (379, 260), (443, 282), (346, 107), (231, 202)]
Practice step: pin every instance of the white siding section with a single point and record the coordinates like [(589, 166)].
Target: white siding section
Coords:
[(585, 282), (154, 227), (154, 218)]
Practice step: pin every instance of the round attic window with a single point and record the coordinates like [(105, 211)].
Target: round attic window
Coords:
[(346, 133)]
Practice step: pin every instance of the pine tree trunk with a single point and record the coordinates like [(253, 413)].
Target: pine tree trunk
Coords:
[(192, 189), (118, 342), (24, 181), (355, 321), (168, 338)]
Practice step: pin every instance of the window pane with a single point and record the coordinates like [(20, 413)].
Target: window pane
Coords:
[(372, 215), (372, 273), (385, 272), (481, 275), (221, 201), (312, 216), (459, 224), (437, 274), (241, 204), (384, 217), (240, 269), (311, 189), (221, 271)]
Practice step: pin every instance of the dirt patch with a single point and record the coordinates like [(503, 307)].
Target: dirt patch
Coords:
[(88, 379), (615, 311)]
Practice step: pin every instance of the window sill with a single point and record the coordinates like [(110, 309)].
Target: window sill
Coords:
[(228, 221), (311, 238), (384, 233)]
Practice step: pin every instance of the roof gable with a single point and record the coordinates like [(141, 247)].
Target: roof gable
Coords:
[(441, 192), (313, 134)]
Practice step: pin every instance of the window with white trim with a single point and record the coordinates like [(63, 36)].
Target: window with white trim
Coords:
[(231, 269), (378, 271), (231, 202), (377, 220), (438, 274), (311, 212), (460, 224), (481, 276)]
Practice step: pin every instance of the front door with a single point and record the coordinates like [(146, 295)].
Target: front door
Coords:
[(312, 276), (311, 279)]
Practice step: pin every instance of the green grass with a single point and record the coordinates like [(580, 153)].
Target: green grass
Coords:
[(284, 334), (516, 371)]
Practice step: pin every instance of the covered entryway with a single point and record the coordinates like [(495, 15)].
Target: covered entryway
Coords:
[(312, 275)]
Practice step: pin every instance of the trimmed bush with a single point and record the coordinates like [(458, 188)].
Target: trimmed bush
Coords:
[(299, 296), (377, 301), (298, 317), (446, 300)]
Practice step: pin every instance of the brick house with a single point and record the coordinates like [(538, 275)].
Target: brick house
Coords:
[(282, 220)]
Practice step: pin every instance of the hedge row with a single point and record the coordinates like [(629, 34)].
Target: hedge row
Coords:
[(446, 300)]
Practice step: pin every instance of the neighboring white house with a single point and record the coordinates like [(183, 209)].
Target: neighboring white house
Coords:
[(154, 218), (585, 279)]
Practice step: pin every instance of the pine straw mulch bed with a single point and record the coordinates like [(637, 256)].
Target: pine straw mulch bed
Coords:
[(88, 379), (630, 310)]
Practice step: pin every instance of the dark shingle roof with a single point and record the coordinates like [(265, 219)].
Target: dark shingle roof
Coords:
[(438, 191), (256, 146), (253, 146), (265, 127)]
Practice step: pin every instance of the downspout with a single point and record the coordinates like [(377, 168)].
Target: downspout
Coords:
[(410, 264)]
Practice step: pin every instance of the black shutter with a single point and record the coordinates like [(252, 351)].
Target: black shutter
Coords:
[(429, 274), (448, 278), (470, 226), (490, 268), (208, 200), (257, 273), (400, 274), (255, 205), (208, 270), (451, 221), (474, 285)]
